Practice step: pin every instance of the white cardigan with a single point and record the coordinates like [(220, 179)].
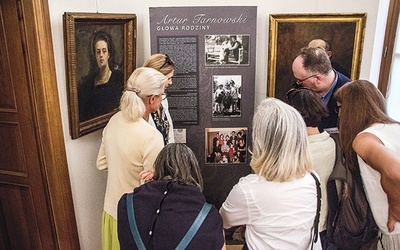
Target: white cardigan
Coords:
[(323, 154), (126, 149)]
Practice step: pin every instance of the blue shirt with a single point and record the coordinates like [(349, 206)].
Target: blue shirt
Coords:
[(327, 96)]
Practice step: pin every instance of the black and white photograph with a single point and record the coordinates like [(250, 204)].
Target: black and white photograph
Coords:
[(224, 50), (227, 95), (226, 145)]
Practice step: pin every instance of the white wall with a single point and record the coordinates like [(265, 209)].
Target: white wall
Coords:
[(88, 183)]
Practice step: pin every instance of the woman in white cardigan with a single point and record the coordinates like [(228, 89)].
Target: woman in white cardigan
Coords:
[(130, 144)]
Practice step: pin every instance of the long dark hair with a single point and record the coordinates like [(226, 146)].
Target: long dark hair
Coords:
[(310, 106), (362, 105), (176, 162)]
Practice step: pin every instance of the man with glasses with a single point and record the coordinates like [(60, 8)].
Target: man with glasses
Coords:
[(324, 44), (312, 69)]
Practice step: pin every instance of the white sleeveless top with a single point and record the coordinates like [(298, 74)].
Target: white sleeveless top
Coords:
[(389, 134)]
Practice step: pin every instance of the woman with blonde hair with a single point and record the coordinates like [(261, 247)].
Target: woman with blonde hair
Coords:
[(130, 144), (277, 203), (370, 141), (161, 118)]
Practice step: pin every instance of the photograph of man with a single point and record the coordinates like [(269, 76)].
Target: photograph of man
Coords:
[(224, 50)]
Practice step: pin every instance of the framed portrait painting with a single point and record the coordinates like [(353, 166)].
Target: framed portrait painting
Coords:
[(342, 34), (100, 54)]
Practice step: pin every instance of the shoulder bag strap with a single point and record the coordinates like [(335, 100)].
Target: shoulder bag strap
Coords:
[(195, 226), (338, 174), (132, 222), (339, 170), (316, 220)]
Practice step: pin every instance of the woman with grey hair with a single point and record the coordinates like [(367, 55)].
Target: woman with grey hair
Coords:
[(277, 203), (163, 210), (130, 144)]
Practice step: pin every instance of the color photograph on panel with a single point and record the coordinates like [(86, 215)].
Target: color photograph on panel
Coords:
[(226, 145)]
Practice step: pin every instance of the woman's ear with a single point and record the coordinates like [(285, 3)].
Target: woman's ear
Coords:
[(152, 99), (147, 101)]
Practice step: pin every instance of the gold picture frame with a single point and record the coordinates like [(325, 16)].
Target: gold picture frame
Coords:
[(91, 99), (288, 33)]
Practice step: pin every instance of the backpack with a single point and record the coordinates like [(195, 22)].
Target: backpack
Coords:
[(350, 222)]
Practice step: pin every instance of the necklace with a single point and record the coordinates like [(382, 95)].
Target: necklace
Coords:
[(104, 79)]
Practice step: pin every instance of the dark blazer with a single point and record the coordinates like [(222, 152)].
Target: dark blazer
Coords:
[(332, 120), (178, 208)]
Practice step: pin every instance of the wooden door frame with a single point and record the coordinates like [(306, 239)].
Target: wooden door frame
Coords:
[(388, 45), (38, 48)]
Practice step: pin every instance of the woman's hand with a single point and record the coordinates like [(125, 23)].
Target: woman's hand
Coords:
[(146, 176), (390, 185)]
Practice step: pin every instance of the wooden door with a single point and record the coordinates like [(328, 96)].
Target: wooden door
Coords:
[(36, 210)]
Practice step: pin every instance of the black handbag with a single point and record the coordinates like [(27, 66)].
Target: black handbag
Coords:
[(350, 222)]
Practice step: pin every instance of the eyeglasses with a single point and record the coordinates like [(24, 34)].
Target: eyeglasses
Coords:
[(300, 82), (167, 60), (163, 96)]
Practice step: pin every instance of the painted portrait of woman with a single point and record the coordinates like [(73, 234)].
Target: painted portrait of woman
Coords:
[(100, 90)]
